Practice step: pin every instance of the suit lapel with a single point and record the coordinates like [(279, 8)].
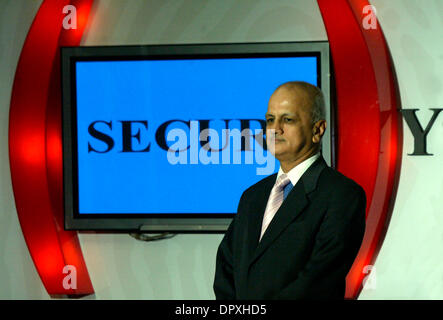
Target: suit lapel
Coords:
[(258, 207), (294, 204), (291, 207)]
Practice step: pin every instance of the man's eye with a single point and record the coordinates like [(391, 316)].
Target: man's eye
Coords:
[(287, 119), (269, 120)]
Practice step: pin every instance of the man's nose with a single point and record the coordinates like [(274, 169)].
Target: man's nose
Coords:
[(278, 127)]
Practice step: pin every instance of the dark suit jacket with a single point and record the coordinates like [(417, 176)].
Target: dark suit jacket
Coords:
[(308, 248)]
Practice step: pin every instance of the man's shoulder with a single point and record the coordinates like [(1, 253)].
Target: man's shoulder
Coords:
[(337, 182)]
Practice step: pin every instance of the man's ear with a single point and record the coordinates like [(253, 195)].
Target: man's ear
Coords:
[(318, 130)]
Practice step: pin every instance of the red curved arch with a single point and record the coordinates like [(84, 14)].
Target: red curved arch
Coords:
[(369, 127), (35, 149), (369, 150)]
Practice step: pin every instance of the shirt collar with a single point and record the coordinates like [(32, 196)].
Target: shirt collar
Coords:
[(295, 173)]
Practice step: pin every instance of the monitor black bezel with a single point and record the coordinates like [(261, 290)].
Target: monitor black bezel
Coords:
[(210, 222)]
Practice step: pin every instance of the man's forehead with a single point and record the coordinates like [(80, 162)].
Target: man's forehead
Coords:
[(274, 113), (285, 107), (288, 101)]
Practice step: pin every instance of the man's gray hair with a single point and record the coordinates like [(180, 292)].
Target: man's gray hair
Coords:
[(318, 108)]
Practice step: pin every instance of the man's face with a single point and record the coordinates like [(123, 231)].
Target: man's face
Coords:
[(289, 115)]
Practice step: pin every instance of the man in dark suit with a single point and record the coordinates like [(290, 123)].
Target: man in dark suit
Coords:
[(297, 232)]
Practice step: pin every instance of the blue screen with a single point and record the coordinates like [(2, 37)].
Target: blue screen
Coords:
[(130, 113)]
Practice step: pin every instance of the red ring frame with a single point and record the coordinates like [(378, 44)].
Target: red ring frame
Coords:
[(370, 132), (368, 124), (35, 148)]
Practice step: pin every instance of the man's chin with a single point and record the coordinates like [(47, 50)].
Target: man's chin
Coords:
[(279, 149), (279, 153)]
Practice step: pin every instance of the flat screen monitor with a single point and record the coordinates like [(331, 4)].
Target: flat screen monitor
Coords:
[(166, 138)]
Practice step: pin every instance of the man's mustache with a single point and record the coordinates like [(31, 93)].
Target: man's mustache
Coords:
[(276, 138)]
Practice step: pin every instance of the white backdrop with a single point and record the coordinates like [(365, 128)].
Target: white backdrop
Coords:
[(409, 265)]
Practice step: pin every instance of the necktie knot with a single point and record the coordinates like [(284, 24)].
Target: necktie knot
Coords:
[(282, 181)]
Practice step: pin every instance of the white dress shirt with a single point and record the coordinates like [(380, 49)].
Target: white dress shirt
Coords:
[(295, 173)]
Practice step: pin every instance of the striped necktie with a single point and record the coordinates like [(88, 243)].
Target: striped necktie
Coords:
[(274, 202)]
